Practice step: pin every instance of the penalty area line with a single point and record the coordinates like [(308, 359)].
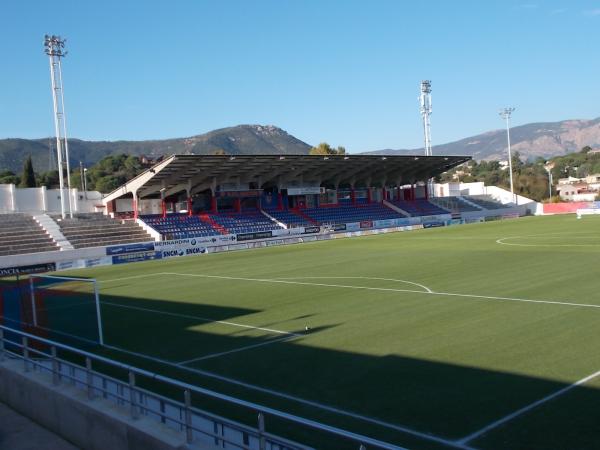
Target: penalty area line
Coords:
[(412, 291), (203, 319), (235, 350)]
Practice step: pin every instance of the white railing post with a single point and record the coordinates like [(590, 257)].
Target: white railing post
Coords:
[(1, 345), (187, 398), (32, 295), (89, 377), (55, 366), (134, 412), (262, 444), (25, 354)]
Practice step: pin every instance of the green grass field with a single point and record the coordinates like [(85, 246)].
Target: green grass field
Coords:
[(439, 332)]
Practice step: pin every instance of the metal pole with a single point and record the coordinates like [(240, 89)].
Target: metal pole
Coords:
[(512, 191), (64, 124), (32, 296), (98, 314)]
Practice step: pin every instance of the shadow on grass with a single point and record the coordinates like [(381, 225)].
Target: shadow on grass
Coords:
[(431, 397)]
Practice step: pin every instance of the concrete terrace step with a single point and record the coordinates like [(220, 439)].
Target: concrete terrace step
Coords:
[(104, 231), (97, 243), (19, 250), (26, 240)]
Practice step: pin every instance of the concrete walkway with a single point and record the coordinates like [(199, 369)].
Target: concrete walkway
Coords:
[(19, 433)]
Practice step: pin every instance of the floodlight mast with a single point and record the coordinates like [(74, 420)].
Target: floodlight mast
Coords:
[(505, 113), (54, 47), (425, 100)]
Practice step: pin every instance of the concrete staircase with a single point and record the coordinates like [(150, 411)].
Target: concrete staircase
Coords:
[(53, 230)]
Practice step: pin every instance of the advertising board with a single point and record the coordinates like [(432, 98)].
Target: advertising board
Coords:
[(129, 248)]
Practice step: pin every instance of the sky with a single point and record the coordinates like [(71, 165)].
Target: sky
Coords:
[(341, 71)]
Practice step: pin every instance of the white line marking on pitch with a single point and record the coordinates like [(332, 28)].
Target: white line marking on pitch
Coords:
[(527, 408), (236, 350), (341, 412), (475, 296), (358, 278), (204, 319), (502, 241)]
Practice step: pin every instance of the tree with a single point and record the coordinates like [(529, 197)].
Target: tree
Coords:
[(28, 177), (325, 149), (49, 179), (8, 177)]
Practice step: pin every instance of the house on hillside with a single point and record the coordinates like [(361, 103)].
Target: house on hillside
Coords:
[(579, 189)]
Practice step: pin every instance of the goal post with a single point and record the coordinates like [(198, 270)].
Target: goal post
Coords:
[(66, 306)]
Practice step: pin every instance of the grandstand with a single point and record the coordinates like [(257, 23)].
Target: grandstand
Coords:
[(96, 229), (455, 204), (419, 207), (485, 202), (350, 213), (294, 190), (291, 219), (20, 234)]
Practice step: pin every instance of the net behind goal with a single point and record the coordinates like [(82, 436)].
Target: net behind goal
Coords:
[(59, 308)]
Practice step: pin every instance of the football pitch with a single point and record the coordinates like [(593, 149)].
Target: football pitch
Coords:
[(478, 336)]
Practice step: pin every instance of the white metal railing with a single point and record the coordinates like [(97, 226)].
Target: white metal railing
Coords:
[(197, 424)]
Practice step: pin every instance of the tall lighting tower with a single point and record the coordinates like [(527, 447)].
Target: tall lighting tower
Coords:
[(425, 99), (54, 46), (505, 114)]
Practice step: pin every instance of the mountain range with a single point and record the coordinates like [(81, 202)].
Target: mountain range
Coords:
[(544, 139), (531, 141), (241, 139)]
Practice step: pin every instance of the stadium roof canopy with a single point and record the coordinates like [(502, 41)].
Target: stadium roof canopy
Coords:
[(195, 173)]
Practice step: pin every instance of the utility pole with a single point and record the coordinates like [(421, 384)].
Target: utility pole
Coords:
[(505, 114), (54, 47)]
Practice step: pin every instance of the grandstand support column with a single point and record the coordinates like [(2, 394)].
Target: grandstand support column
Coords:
[(13, 202), (189, 205), (213, 203), (135, 202), (279, 201), (163, 206), (237, 205), (369, 194), (353, 195)]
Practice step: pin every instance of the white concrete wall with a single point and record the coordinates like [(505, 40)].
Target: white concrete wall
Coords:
[(41, 200)]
